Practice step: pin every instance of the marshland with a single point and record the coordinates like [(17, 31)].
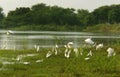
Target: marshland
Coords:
[(27, 56), (44, 40)]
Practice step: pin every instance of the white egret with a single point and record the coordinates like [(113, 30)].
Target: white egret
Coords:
[(87, 58), (56, 49), (37, 61), (30, 55), (68, 54), (99, 46), (90, 53), (26, 63), (68, 49), (19, 57), (89, 41), (81, 52), (6, 62), (35, 46), (38, 48), (76, 52), (69, 44), (114, 54), (9, 32), (111, 52), (4, 45), (65, 46), (48, 54), (56, 46)]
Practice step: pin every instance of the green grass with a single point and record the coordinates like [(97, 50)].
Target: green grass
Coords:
[(51, 27), (58, 66)]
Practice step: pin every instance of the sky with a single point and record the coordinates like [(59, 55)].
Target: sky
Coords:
[(90, 5)]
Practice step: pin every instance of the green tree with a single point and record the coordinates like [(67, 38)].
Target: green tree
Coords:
[(1, 17), (17, 18), (61, 16), (114, 14), (40, 14), (101, 14), (83, 16)]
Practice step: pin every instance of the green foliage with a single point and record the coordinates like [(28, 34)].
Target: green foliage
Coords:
[(17, 17), (50, 27), (99, 64), (103, 28), (58, 17), (114, 14), (1, 17), (83, 16), (41, 14), (101, 14)]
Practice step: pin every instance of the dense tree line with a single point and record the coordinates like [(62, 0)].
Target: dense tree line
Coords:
[(41, 14), (1, 17)]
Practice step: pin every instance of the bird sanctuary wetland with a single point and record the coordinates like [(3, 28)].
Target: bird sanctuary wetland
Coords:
[(52, 41), (59, 54)]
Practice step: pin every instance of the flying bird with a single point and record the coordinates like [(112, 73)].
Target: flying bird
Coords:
[(9, 32)]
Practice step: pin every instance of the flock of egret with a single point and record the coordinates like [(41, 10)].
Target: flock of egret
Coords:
[(110, 50), (68, 49)]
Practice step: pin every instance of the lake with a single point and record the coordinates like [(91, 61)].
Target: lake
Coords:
[(28, 39)]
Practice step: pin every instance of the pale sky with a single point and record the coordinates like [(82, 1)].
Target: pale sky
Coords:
[(8, 5)]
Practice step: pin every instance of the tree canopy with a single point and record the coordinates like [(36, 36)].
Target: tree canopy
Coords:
[(1, 16), (41, 14)]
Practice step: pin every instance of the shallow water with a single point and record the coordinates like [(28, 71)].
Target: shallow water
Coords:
[(28, 39)]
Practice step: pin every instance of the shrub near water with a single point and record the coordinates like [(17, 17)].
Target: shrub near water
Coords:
[(103, 28)]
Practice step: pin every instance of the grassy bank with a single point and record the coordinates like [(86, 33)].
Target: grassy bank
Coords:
[(99, 64), (103, 28), (94, 28), (48, 28)]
